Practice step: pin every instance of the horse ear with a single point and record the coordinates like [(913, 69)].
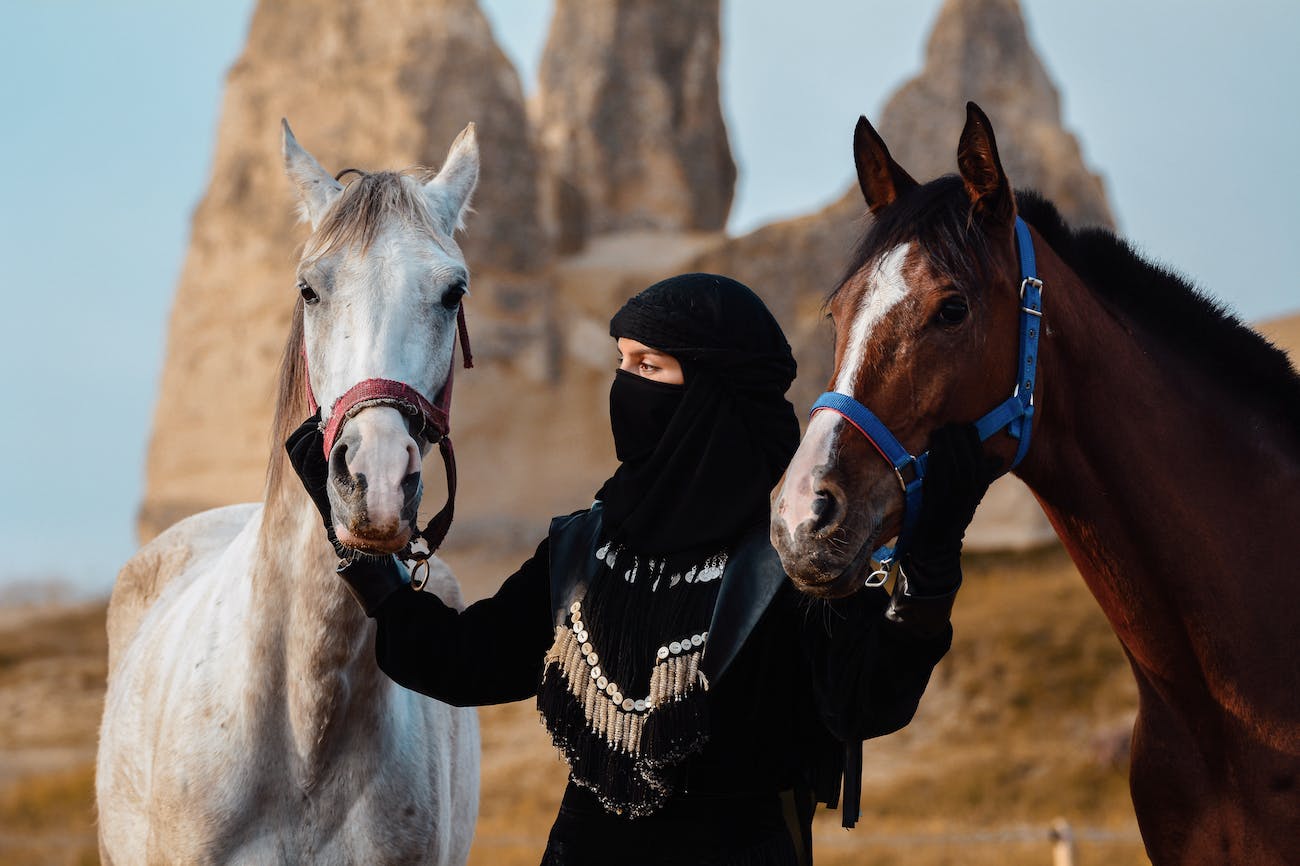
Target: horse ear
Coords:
[(981, 169), (449, 192), (316, 188), (882, 180)]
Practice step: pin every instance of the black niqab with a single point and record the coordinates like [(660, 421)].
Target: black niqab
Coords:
[(710, 476)]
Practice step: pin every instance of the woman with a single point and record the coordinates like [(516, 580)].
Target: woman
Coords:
[(702, 704)]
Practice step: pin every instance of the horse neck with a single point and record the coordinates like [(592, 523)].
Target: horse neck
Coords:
[(1159, 481), (312, 640)]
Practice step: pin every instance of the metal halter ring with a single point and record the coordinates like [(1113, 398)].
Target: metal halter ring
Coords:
[(874, 581), (419, 574)]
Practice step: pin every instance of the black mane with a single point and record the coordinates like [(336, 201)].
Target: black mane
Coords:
[(1172, 310), (1168, 307)]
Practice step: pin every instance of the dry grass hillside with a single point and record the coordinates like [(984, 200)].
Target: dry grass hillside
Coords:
[(1027, 720), (53, 661)]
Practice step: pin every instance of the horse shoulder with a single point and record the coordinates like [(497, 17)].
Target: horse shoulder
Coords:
[(182, 547)]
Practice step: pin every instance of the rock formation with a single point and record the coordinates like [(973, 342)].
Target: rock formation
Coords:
[(629, 118), (979, 50), (361, 92)]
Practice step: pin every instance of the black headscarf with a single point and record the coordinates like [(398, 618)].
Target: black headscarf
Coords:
[(728, 442)]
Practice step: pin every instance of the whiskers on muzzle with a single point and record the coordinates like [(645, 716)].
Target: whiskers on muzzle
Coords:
[(828, 564)]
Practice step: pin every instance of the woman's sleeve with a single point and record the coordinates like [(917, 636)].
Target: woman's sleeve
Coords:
[(490, 653), (869, 670)]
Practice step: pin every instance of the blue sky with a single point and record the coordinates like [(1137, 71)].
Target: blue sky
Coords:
[(1189, 109)]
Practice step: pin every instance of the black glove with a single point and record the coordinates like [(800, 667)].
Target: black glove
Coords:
[(957, 476), (372, 579), (305, 447)]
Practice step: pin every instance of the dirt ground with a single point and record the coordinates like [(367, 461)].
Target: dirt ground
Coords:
[(1026, 721)]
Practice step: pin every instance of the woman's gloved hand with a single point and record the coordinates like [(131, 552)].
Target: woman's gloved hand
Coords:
[(305, 447), (957, 476), (372, 579)]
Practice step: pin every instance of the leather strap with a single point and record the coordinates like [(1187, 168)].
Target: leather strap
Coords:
[(387, 392), (869, 425)]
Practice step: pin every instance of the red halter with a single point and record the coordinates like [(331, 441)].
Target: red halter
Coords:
[(435, 427)]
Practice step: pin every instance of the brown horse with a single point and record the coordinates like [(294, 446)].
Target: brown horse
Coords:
[(1165, 450)]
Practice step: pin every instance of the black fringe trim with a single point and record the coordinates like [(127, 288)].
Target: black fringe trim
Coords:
[(625, 783)]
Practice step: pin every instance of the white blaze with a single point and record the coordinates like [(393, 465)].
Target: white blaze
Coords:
[(885, 289)]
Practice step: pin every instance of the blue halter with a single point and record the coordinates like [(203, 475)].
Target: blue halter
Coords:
[(1013, 415)]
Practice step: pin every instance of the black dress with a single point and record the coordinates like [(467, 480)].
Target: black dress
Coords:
[(795, 685)]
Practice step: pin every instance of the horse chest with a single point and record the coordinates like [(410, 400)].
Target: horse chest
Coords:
[(225, 798), (208, 757)]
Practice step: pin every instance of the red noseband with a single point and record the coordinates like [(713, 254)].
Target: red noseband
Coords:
[(435, 420)]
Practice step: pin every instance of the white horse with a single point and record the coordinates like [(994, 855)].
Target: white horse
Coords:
[(246, 720)]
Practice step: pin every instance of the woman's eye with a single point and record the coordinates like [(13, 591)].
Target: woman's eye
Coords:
[(309, 295), (953, 311), (648, 368), (451, 297)]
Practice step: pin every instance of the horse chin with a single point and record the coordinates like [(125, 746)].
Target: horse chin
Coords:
[(830, 580), (841, 585), (850, 579)]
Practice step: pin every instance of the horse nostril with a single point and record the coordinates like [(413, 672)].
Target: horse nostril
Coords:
[(411, 487), (825, 507), (339, 468)]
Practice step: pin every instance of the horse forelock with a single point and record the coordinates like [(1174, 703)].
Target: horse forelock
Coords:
[(936, 217), (370, 203), (928, 229)]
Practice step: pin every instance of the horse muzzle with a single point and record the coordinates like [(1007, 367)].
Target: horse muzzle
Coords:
[(822, 566), (819, 525), (374, 483)]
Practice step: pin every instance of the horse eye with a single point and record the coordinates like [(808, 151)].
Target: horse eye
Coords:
[(308, 293), (953, 311), (454, 293)]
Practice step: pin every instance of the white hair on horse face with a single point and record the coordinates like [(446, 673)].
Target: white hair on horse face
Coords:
[(886, 287), (384, 318)]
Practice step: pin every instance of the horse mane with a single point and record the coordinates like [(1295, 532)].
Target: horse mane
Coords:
[(1172, 310), (290, 400), (366, 204)]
